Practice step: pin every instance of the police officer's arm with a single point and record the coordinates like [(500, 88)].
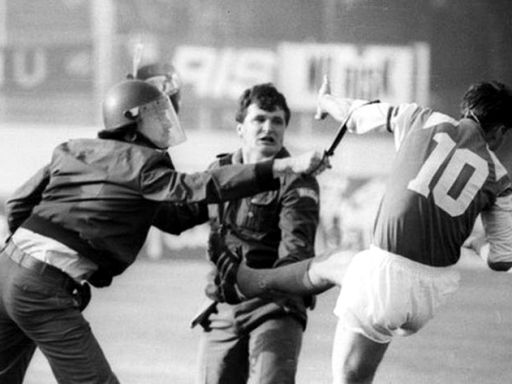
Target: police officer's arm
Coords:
[(298, 220), (159, 182), (25, 198), (175, 218)]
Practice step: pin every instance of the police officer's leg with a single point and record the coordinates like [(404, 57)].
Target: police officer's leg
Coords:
[(49, 315), (16, 350), (274, 351), (223, 352), (355, 358)]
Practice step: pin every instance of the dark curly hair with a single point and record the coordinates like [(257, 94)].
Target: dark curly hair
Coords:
[(490, 103), (265, 96)]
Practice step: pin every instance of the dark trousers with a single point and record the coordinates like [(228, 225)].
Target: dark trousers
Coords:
[(267, 354), (38, 309)]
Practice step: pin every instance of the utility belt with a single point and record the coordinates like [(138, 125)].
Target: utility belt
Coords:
[(43, 269), (58, 278)]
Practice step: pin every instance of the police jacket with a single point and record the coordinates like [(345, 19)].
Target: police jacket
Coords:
[(270, 229), (99, 197)]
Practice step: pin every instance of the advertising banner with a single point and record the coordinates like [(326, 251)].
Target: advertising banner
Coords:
[(394, 74), (50, 68)]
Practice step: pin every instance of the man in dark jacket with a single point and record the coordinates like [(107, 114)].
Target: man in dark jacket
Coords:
[(84, 218), (259, 340)]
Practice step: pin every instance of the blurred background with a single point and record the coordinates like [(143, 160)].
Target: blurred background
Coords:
[(58, 57)]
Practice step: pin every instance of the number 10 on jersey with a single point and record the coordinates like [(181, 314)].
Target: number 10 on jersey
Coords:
[(458, 159)]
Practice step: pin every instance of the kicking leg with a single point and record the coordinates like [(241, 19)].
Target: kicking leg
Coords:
[(291, 278), (312, 276), (355, 358)]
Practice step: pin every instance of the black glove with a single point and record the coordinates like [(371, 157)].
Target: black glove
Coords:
[(227, 264), (228, 292), (227, 267)]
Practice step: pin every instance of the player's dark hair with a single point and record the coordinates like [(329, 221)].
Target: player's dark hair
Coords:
[(490, 103), (266, 97)]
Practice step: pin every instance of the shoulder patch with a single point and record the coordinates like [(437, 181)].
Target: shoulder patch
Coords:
[(308, 192)]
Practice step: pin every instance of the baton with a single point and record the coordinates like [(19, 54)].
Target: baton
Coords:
[(342, 129)]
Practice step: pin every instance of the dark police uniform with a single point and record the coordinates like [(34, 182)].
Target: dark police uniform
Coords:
[(262, 336), (97, 198)]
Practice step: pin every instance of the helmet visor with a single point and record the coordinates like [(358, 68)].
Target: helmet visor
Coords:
[(161, 124)]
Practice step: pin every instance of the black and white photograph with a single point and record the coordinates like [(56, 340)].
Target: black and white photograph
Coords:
[(255, 191)]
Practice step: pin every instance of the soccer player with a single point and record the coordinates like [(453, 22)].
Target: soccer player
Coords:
[(445, 174)]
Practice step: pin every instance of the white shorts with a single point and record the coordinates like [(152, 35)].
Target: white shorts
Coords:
[(384, 294)]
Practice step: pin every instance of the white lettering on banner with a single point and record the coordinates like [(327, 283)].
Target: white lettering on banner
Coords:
[(29, 68), (225, 72)]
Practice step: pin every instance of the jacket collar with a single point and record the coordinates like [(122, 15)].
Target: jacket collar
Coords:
[(237, 158)]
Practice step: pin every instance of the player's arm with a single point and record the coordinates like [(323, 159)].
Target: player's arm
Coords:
[(25, 198), (497, 223), (365, 116), (175, 218)]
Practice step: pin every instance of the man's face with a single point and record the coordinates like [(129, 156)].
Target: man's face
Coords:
[(262, 132), (160, 124)]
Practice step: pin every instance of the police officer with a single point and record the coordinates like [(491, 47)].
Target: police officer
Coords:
[(85, 216), (259, 340)]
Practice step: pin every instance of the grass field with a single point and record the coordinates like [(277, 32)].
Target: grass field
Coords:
[(142, 322)]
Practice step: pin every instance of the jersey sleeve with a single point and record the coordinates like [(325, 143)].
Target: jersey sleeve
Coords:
[(397, 119)]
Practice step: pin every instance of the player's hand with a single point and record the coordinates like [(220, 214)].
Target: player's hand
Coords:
[(313, 163), (325, 89)]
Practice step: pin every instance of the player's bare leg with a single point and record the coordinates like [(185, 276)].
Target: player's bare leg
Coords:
[(355, 358)]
